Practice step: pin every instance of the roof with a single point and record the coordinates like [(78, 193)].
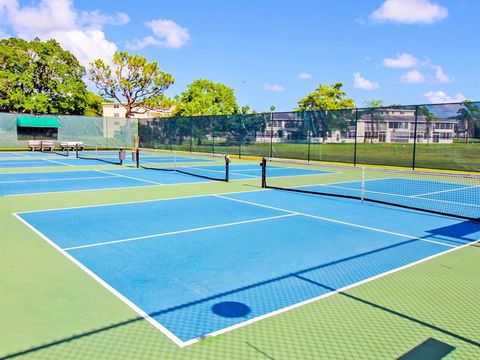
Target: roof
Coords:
[(38, 121)]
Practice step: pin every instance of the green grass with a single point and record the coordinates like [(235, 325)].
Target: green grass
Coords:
[(51, 309)]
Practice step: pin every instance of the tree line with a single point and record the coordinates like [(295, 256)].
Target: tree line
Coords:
[(40, 77)]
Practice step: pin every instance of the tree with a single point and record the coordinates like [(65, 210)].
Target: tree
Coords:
[(131, 81), (94, 105), (425, 113), (326, 97), (320, 101), (205, 97), (40, 77), (469, 117), (376, 117)]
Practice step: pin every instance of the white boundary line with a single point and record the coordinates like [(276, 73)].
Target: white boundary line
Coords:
[(182, 343), (129, 177), (449, 190), (57, 162), (177, 232), (55, 179), (116, 293), (336, 221), (317, 298)]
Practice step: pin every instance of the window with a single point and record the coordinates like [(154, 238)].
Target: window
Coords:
[(116, 106), (116, 115)]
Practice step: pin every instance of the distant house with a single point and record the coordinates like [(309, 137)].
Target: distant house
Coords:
[(382, 125), (118, 112)]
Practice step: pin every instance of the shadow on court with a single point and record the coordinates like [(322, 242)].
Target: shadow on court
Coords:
[(236, 309)]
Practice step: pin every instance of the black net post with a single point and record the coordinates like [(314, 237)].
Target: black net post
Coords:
[(355, 143), (76, 151), (415, 138), (263, 164), (227, 168), (137, 157), (271, 135)]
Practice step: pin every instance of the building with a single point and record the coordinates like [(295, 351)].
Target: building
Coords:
[(115, 120), (379, 126)]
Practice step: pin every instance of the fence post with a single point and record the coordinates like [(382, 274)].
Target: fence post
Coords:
[(191, 134), (415, 138), (213, 134), (309, 135), (239, 136), (355, 144), (271, 134)]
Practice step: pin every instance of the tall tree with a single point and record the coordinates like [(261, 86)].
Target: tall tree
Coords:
[(133, 82), (40, 77), (323, 99), (205, 97), (376, 117), (326, 97), (94, 105), (469, 116)]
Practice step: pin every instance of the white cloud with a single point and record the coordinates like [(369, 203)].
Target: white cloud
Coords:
[(360, 82), (440, 76), (403, 61), (79, 32), (170, 34), (409, 12), (304, 76), (139, 44), (412, 77), (273, 87), (441, 97)]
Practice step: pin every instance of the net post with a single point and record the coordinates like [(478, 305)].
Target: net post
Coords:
[(120, 155), (263, 164), (137, 160), (355, 143), (76, 150), (227, 168), (175, 160), (415, 138), (362, 190)]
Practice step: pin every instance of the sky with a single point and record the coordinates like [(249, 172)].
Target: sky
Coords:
[(274, 52)]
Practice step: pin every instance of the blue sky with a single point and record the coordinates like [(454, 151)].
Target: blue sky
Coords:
[(276, 52)]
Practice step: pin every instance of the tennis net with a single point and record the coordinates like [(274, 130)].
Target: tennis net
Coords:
[(456, 195), (101, 153), (207, 167)]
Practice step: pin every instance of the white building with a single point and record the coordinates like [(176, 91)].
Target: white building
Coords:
[(381, 125), (114, 115)]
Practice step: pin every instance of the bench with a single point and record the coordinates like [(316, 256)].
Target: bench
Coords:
[(47, 145), (34, 144)]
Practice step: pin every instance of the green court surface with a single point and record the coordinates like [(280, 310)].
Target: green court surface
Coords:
[(52, 309)]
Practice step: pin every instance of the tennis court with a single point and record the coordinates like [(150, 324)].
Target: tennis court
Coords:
[(273, 251), (279, 256)]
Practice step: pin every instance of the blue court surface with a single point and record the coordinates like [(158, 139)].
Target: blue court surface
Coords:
[(38, 159), (447, 197), (199, 266), (46, 182)]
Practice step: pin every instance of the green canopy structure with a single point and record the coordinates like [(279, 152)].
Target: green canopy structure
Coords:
[(38, 121)]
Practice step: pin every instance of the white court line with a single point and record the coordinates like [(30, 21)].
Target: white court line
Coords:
[(55, 179), (323, 296), (176, 232), (335, 221), (129, 177), (449, 190), (116, 293), (173, 337), (57, 162)]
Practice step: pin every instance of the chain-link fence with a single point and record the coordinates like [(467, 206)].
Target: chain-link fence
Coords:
[(442, 136), (95, 131)]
